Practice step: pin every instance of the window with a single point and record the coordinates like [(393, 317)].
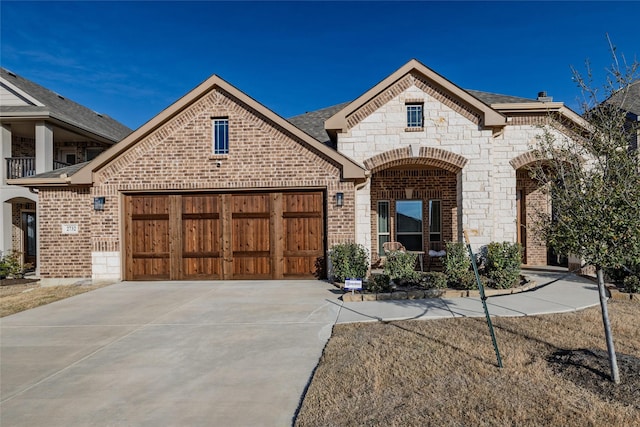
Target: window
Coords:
[(435, 221), (414, 116), (68, 156), (92, 153), (409, 224), (383, 225), (221, 136)]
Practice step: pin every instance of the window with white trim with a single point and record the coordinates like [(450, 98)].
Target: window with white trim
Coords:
[(415, 116), (409, 224), (220, 135), (383, 225)]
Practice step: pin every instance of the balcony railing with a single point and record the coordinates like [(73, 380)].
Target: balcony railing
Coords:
[(21, 167)]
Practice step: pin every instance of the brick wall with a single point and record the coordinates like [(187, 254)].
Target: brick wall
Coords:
[(178, 157), (65, 255), (535, 201)]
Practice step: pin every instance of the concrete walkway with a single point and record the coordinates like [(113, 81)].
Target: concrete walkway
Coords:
[(201, 353), (557, 292)]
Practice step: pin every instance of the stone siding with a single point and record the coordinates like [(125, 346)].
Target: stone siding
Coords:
[(452, 140)]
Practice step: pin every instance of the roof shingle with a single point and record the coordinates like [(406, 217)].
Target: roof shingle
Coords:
[(63, 109)]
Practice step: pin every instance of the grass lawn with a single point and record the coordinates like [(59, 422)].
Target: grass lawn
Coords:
[(16, 296), (444, 373)]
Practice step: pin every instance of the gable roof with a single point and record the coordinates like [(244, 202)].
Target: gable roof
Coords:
[(39, 101), (312, 122), (491, 117), (84, 175)]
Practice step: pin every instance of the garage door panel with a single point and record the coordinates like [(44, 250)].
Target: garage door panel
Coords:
[(303, 224), (148, 250), (201, 237), (202, 267), (232, 236)]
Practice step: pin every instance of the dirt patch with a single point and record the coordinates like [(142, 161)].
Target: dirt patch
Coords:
[(589, 369)]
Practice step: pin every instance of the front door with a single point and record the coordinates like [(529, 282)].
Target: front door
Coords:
[(29, 236)]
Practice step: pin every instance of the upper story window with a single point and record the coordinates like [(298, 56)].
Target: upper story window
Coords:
[(220, 136), (415, 117)]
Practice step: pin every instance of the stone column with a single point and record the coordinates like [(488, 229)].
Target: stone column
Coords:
[(44, 147)]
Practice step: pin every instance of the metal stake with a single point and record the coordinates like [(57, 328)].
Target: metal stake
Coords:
[(483, 298)]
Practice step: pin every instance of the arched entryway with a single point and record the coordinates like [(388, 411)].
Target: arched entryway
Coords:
[(531, 200), (414, 199)]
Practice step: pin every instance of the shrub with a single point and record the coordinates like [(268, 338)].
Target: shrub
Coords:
[(379, 283), (349, 261), (620, 274), (433, 280), (400, 267), (456, 265), (503, 264), (10, 266), (632, 284)]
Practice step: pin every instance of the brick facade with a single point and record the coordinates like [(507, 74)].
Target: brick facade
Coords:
[(477, 173), (177, 157), (65, 256)]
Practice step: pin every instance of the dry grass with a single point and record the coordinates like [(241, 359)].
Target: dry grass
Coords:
[(19, 297), (444, 372)]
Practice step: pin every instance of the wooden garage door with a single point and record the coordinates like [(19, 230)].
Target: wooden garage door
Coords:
[(224, 236)]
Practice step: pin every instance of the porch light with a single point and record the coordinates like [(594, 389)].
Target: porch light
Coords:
[(98, 203), (339, 199)]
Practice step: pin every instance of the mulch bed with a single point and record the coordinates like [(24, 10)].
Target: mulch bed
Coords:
[(589, 369), (9, 282)]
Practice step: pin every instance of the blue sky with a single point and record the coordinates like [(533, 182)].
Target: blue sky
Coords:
[(131, 60)]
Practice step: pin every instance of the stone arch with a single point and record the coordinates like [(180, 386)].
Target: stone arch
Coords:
[(428, 156), (529, 157)]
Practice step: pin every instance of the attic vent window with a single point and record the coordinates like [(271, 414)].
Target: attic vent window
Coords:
[(415, 116)]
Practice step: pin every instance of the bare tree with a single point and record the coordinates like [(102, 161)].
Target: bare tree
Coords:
[(593, 182)]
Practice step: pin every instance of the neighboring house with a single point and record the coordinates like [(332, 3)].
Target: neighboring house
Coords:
[(629, 100), (219, 186), (41, 132)]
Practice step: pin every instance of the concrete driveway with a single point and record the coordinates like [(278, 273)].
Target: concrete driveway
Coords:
[(166, 354), (204, 353)]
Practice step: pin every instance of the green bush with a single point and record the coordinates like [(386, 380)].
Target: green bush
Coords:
[(400, 267), (433, 280), (620, 274), (456, 266), (349, 261), (10, 266), (632, 284), (503, 264), (379, 283)]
